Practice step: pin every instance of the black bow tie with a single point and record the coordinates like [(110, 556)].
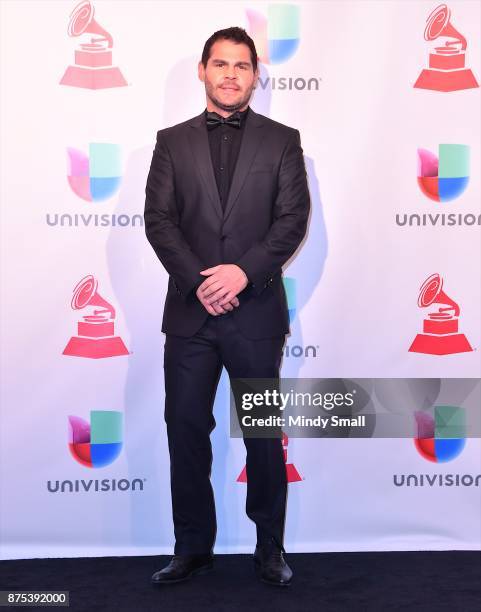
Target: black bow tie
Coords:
[(213, 120)]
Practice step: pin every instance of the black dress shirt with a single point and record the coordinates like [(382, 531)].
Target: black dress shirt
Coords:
[(224, 142)]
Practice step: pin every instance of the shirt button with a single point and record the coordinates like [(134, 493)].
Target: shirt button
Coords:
[(221, 167)]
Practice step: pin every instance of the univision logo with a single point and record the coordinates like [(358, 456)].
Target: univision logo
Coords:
[(290, 83), (276, 35), (295, 350), (437, 219), (440, 437), (298, 350), (98, 443), (444, 178), (95, 445), (95, 177), (104, 485), (441, 480), (94, 220)]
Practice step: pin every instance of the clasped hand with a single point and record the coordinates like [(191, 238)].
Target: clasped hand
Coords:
[(219, 290)]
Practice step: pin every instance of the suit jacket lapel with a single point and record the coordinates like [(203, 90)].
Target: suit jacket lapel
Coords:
[(199, 142), (251, 140), (201, 152)]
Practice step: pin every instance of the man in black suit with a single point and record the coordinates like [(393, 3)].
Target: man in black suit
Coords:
[(227, 205)]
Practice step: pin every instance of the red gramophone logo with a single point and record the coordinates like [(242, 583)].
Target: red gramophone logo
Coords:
[(440, 328), (447, 71), (93, 58), (291, 471), (96, 338)]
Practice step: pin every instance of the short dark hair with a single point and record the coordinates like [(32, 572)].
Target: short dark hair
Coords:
[(236, 35)]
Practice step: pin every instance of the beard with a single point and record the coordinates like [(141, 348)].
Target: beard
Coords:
[(228, 107)]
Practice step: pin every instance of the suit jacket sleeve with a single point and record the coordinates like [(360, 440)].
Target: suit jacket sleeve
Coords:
[(290, 216), (161, 223)]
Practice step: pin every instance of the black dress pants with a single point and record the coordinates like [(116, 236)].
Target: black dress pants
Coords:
[(192, 368)]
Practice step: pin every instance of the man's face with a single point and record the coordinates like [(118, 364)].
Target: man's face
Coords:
[(229, 77)]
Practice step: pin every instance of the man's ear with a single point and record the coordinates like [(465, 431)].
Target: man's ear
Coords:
[(201, 71)]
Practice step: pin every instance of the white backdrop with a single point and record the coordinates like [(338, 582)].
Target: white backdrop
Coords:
[(357, 277)]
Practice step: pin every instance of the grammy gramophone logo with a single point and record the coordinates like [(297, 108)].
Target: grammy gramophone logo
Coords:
[(447, 60), (95, 337), (440, 334), (93, 67), (291, 470)]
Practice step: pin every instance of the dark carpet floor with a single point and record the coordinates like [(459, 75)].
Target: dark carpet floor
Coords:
[(415, 581)]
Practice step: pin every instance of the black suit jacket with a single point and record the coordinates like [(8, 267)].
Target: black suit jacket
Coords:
[(264, 221)]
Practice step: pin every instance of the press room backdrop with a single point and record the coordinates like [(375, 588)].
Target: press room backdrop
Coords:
[(390, 126)]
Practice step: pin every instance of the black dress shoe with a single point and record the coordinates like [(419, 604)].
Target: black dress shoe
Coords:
[(270, 564), (183, 567)]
